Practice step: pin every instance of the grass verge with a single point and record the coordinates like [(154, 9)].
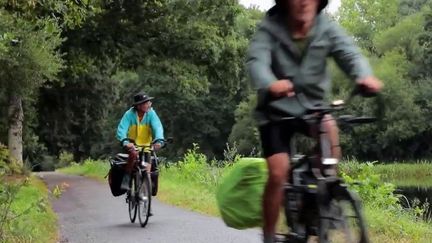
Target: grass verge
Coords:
[(407, 174), (90, 168), (31, 218)]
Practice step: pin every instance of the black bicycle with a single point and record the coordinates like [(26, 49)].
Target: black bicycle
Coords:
[(143, 183), (318, 204)]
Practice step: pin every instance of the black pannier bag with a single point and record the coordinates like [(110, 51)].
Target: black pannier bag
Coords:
[(116, 173)]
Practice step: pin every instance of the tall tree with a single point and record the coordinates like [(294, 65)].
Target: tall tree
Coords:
[(28, 59), (31, 36)]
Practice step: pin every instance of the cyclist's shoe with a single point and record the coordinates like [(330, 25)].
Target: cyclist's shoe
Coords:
[(125, 182)]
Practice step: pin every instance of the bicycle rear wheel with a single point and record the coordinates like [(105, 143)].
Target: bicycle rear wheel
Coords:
[(132, 202), (343, 221), (144, 203)]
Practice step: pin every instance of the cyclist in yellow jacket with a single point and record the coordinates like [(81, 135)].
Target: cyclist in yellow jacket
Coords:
[(141, 124)]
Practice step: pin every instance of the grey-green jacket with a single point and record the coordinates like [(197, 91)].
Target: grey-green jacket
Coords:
[(273, 56)]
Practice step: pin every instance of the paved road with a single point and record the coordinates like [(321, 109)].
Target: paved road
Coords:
[(88, 213)]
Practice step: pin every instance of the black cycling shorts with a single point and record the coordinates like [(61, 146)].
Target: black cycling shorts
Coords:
[(276, 136)]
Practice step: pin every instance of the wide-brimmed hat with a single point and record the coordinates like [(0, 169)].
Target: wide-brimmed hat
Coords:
[(141, 98)]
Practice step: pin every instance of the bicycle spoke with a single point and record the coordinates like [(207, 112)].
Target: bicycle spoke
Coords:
[(348, 226), (132, 205), (144, 203)]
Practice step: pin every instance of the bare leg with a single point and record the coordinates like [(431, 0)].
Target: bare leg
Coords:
[(128, 169), (278, 165), (332, 132), (133, 155)]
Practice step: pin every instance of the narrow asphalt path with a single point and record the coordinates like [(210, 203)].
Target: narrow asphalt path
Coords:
[(89, 213)]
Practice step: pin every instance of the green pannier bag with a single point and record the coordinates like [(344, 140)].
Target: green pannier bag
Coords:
[(239, 195)]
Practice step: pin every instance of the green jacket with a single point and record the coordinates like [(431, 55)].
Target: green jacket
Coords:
[(273, 56)]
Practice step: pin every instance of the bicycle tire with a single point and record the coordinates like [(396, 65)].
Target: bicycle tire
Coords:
[(144, 206), (343, 220), (300, 215), (132, 204)]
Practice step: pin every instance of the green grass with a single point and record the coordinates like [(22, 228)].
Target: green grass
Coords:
[(38, 222), (192, 182), (407, 174), (389, 226), (93, 169), (186, 194)]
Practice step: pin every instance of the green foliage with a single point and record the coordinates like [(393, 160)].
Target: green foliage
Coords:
[(36, 155), (189, 56), (7, 165), (402, 35), (26, 66), (408, 7), (364, 18), (195, 167), (25, 213), (367, 180), (65, 159), (392, 36), (414, 174), (92, 168), (32, 217), (368, 184), (244, 132)]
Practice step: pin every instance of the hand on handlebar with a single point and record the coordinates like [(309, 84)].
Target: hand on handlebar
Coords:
[(157, 146), (370, 85), (283, 87), (130, 146)]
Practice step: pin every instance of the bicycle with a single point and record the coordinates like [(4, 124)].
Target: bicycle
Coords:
[(317, 203), (142, 188)]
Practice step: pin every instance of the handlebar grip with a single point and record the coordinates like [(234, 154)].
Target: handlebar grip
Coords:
[(361, 90), (126, 139)]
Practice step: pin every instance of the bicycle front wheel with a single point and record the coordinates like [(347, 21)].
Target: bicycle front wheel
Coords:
[(344, 222), (144, 203), (132, 202)]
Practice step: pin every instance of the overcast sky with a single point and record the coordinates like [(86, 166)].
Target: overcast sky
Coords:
[(266, 4)]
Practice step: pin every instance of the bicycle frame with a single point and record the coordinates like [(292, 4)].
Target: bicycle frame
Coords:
[(314, 186), (142, 187)]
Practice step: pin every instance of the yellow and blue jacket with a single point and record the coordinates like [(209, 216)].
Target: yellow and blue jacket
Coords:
[(144, 132)]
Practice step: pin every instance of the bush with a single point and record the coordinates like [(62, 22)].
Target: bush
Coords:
[(196, 168), (65, 159), (375, 193), (372, 190), (36, 155)]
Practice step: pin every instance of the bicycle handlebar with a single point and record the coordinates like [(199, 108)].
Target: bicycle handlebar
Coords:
[(317, 112), (164, 142)]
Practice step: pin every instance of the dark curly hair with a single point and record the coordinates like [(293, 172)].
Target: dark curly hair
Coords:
[(323, 4)]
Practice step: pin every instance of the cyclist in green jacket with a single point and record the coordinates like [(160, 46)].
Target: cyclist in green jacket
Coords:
[(288, 56)]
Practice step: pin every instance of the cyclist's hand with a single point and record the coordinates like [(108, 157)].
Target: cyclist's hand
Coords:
[(157, 146), (130, 146), (283, 87), (370, 84)]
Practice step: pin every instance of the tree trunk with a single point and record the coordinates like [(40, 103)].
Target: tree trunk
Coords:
[(16, 117)]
